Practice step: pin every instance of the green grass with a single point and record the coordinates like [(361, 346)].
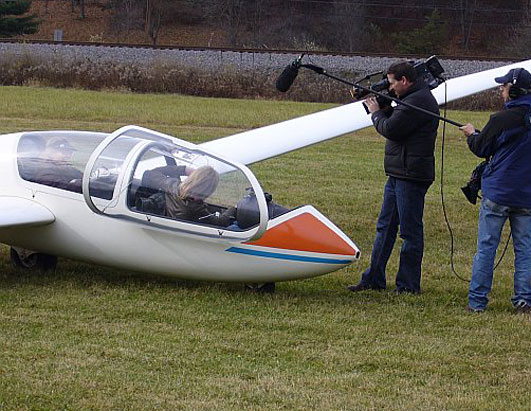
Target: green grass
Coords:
[(89, 337)]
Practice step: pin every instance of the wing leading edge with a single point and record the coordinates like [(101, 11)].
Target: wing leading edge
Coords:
[(270, 141), (17, 212)]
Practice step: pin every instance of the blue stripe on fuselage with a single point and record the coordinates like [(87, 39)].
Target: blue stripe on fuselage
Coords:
[(290, 257)]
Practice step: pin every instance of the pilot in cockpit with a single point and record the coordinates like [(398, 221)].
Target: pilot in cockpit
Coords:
[(186, 200), (55, 167)]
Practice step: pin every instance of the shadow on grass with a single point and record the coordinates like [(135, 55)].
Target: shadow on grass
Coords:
[(324, 289), (86, 275), (328, 290)]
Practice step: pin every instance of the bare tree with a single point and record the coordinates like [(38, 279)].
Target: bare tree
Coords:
[(467, 11), (232, 14), (152, 21), (520, 37), (256, 21), (348, 26), (81, 4)]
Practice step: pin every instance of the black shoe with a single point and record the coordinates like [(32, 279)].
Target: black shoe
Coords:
[(262, 288), (362, 287), (522, 308)]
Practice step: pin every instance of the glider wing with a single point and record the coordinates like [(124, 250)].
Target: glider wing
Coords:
[(270, 141)]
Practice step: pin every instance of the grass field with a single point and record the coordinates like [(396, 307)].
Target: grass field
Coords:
[(86, 337)]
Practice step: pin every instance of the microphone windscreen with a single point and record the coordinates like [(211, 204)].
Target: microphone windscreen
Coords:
[(286, 78)]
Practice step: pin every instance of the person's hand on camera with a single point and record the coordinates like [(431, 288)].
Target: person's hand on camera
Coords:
[(372, 104), (467, 129)]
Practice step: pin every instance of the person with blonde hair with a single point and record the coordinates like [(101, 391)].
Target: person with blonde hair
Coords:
[(186, 200), (200, 184)]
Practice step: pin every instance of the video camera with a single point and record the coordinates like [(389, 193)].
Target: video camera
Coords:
[(428, 71), (472, 187)]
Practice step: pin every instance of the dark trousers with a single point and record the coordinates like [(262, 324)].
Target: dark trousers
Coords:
[(403, 205)]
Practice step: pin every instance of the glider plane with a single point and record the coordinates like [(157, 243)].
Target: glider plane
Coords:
[(100, 218)]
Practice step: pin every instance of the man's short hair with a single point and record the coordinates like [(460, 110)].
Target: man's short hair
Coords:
[(403, 69)]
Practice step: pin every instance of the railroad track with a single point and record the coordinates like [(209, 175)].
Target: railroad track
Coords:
[(252, 50)]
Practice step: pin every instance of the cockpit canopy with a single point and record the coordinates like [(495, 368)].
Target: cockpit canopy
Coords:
[(56, 158), (142, 174), (182, 183)]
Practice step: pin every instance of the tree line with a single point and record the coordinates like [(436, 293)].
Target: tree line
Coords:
[(462, 27)]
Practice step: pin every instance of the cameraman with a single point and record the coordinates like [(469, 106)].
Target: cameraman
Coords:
[(506, 187), (410, 166)]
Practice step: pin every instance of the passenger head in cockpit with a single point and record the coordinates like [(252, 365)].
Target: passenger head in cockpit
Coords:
[(186, 200), (55, 168), (200, 184), (59, 150)]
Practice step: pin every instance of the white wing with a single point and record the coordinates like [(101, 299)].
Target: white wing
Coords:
[(16, 212), (262, 143)]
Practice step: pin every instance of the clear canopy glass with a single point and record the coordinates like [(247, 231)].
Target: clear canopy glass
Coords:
[(168, 178)]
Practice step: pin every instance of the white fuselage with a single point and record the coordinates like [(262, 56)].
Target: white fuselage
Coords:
[(125, 241)]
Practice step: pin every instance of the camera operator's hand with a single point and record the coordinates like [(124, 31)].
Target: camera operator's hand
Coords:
[(372, 104), (467, 129)]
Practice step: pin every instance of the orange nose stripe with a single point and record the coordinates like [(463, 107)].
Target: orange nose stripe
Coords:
[(304, 233)]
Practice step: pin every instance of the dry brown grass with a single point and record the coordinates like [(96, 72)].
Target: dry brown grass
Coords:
[(228, 82)]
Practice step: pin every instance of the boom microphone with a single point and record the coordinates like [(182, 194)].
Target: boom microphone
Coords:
[(287, 77)]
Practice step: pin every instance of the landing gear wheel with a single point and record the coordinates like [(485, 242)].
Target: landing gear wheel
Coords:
[(32, 261), (262, 288)]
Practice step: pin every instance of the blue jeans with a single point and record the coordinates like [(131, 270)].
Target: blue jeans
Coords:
[(492, 217), (403, 205)]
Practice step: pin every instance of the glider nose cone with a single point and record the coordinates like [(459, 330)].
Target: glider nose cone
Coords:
[(309, 233)]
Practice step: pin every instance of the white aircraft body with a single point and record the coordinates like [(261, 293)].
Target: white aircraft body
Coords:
[(108, 215)]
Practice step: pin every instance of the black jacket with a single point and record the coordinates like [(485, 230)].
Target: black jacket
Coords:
[(57, 174), (410, 134)]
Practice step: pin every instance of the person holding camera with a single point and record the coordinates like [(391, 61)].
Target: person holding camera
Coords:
[(506, 188), (410, 166)]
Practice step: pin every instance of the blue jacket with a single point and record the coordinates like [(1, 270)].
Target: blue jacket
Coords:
[(507, 141)]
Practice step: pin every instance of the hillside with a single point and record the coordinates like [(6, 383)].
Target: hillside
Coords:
[(327, 25), (99, 25)]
